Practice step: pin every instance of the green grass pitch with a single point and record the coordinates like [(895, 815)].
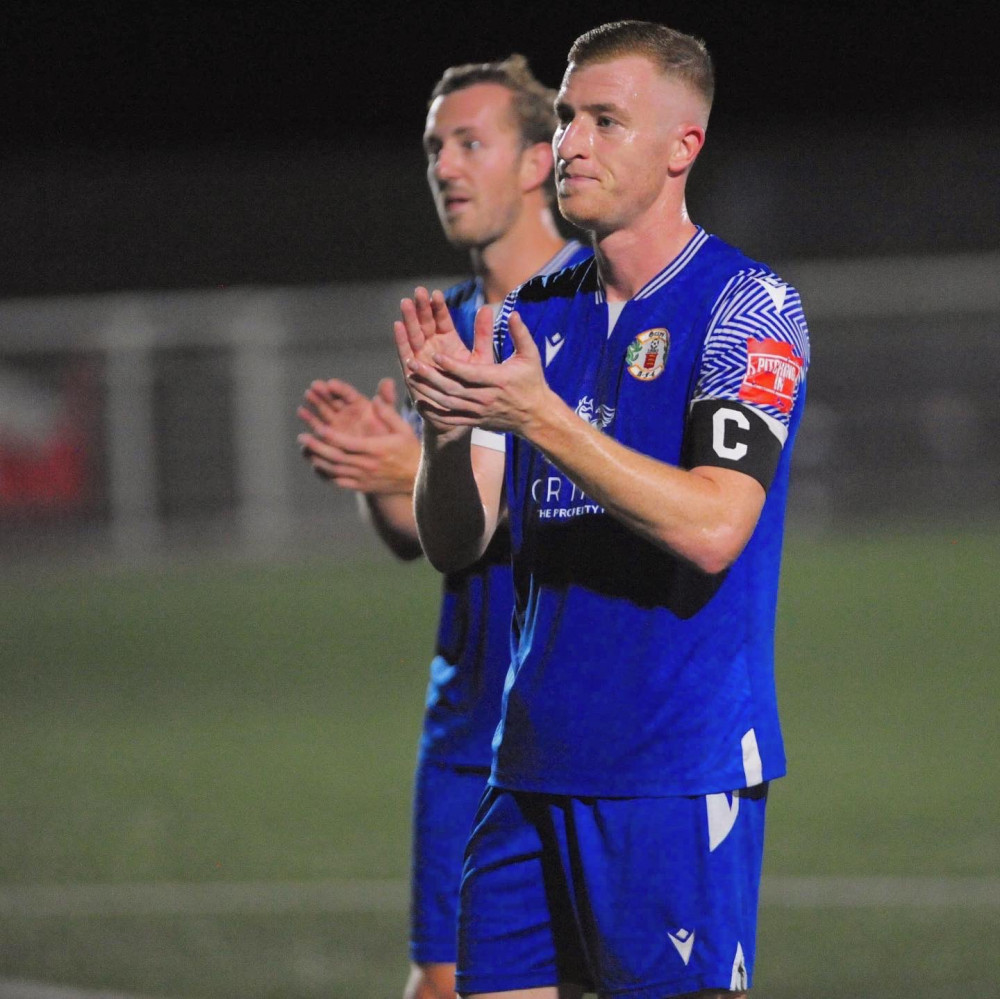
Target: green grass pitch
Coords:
[(225, 725)]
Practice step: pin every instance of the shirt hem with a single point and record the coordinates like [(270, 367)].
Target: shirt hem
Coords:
[(458, 762), (637, 789)]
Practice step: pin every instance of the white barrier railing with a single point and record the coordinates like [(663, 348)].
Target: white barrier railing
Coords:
[(267, 343)]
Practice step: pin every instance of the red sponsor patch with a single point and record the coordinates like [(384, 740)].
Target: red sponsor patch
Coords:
[(773, 371)]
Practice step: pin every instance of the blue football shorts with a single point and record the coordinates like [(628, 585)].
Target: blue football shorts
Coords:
[(445, 800), (636, 897)]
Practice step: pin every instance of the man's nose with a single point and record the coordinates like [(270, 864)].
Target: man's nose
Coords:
[(571, 141), (445, 165)]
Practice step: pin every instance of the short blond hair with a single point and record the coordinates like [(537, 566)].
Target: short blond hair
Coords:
[(531, 101), (683, 57)]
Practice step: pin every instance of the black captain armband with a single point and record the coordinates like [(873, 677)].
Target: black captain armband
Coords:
[(729, 434)]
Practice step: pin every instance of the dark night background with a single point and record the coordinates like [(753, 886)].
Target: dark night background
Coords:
[(178, 145)]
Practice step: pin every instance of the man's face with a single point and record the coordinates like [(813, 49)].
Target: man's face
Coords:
[(618, 125), (473, 163)]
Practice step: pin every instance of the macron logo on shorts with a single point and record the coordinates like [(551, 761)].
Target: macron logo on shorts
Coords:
[(683, 941), (723, 810)]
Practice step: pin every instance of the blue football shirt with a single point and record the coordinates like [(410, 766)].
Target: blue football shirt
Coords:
[(635, 673)]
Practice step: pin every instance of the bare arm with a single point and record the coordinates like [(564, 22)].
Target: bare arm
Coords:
[(393, 521), (458, 494), (705, 515)]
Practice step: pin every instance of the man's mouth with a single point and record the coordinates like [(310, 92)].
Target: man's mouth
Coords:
[(575, 179), (565, 174), (455, 202)]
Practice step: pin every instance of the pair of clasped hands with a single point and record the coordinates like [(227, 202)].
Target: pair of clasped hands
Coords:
[(453, 386), (365, 445)]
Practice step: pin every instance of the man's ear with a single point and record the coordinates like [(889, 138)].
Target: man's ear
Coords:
[(536, 166), (688, 140)]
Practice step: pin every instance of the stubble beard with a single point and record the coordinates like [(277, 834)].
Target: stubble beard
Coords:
[(581, 219), (476, 234), (458, 238), (460, 230)]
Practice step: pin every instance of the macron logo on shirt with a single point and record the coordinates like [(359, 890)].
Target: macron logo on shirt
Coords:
[(553, 344), (776, 290)]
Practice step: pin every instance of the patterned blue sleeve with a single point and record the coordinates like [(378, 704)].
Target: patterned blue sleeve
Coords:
[(757, 347), (750, 379)]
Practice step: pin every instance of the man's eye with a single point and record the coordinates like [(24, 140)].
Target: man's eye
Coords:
[(472, 144)]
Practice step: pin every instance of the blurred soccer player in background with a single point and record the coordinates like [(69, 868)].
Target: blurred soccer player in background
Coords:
[(489, 165), (647, 401)]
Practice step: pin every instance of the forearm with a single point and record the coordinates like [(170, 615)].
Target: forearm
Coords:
[(452, 523), (392, 518), (699, 515)]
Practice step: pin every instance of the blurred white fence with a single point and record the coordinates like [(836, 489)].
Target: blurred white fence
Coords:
[(148, 424)]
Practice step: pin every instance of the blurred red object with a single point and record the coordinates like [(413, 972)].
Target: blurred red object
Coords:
[(46, 444)]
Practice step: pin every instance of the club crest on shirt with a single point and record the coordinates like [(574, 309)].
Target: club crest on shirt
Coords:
[(646, 356)]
